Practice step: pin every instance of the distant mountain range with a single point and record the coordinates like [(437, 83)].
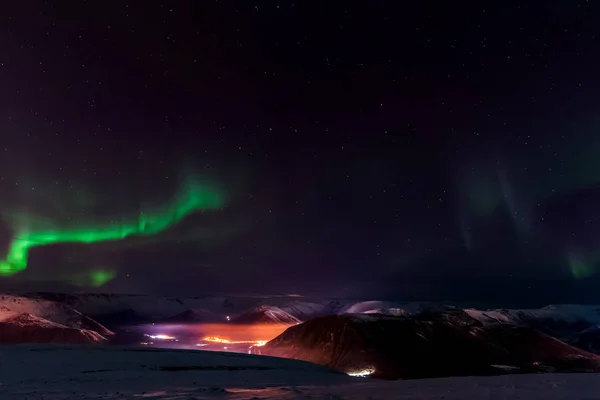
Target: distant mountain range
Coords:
[(394, 339)]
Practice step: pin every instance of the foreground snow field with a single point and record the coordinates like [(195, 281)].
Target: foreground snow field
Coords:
[(38, 372)]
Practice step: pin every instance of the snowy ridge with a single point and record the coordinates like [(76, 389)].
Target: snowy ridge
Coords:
[(160, 308), (384, 308), (564, 321), (301, 308), (393, 308), (26, 328), (304, 310), (564, 312), (155, 307), (267, 314), (369, 306), (21, 320), (52, 311)]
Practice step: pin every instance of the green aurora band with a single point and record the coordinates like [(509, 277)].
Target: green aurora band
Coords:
[(192, 197)]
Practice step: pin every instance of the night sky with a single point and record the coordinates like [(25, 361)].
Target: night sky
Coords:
[(385, 149)]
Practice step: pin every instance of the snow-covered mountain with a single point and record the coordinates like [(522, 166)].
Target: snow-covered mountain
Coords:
[(430, 344), (105, 306), (95, 311), (266, 314), (564, 321), (53, 311), (376, 307), (18, 327), (152, 307)]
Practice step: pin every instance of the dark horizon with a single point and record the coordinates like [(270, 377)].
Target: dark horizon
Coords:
[(501, 303)]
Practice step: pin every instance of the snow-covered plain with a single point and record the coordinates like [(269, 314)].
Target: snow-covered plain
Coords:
[(38, 372)]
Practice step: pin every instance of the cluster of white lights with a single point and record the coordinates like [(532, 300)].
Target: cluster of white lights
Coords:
[(362, 373), (161, 337)]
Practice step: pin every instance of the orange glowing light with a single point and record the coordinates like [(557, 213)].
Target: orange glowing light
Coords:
[(241, 332), (215, 339)]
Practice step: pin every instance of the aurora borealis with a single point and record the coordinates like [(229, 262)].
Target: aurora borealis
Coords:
[(193, 197), (344, 149)]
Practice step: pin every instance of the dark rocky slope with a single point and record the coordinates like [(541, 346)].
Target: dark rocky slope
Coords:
[(428, 345)]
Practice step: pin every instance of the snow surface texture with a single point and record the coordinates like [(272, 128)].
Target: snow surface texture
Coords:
[(42, 372)]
